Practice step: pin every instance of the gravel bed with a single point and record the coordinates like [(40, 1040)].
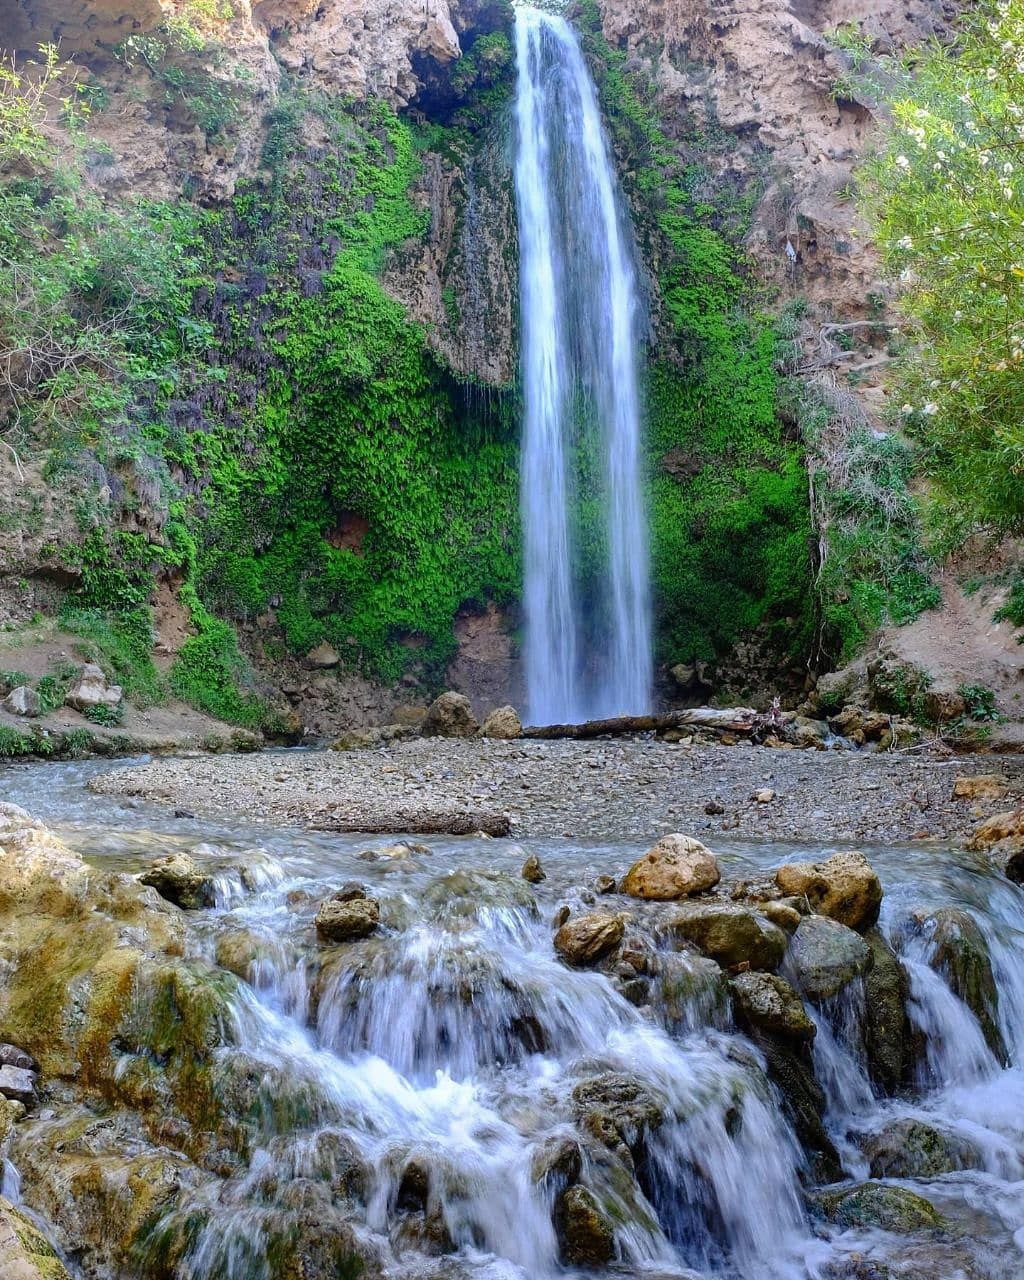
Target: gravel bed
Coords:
[(600, 790)]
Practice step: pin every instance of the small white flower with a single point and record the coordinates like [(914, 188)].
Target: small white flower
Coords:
[(931, 409), (902, 162), (907, 410), (905, 242)]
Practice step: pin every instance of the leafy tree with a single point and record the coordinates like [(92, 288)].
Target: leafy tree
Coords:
[(945, 194)]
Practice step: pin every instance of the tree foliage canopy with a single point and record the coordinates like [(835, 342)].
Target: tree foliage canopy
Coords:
[(945, 193)]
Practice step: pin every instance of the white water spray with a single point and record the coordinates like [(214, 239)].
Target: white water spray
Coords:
[(588, 630)]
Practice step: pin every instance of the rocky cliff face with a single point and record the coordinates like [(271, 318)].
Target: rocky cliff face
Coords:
[(765, 73)]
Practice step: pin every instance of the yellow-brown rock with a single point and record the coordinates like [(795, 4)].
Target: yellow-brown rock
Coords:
[(676, 867)]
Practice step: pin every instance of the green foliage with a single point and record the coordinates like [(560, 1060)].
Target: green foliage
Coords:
[(13, 742), (211, 673), (101, 714), (728, 497), (946, 198), (980, 700), (354, 426), (1013, 609), (183, 54), (872, 569)]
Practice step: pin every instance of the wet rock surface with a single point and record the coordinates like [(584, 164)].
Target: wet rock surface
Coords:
[(180, 880), (731, 934), (588, 938), (844, 887), (825, 956)]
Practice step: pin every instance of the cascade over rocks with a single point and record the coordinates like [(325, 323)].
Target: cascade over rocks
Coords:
[(825, 956), (676, 867), (960, 953), (873, 1204), (844, 887)]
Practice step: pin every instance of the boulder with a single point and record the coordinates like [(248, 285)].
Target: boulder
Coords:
[(12, 1056), (238, 951), (533, 872), (910, 1148), (844, 887), (729, 933), (1002, 837), (180, 880), (888, 1037), (22, 701), (766, 1001), (619, 1110), (605, 885), (684, 676), (465, 894), (344, 921), (960, 954), (587, 938), (980, 786), (449, 716), (25, 1253), (585, 1232), (789, 1067), (825, 956), (688, 989), (676, 867), (875, 1204), (784, 914), (90, 689), (557, 1161), (942, 702), (503, 722), (323, 657), (18, 1084)]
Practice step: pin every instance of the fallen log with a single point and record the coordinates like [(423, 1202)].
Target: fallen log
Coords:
[(741, 720)]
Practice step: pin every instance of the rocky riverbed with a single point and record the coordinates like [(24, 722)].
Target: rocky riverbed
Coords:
[(601, 790)]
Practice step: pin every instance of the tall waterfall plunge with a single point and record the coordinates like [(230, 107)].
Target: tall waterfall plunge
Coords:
[(588, 629)]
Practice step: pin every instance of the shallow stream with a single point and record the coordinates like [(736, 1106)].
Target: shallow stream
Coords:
[(451, 1057)]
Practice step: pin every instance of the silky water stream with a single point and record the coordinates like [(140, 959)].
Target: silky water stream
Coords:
[(450, 1076)]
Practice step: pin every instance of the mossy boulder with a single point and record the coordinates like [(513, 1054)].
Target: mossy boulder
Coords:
[(875, 1204), (585, 1232), (729, 933), (825, 956), (912, 1149), (888, 1038), (468, 893), (960, 954), (803, 1100), (766, 1001), (450, 716), (25, 1254), (619, 1110)]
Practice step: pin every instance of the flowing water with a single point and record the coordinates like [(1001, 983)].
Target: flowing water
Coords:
[(432, 1073), (588, 635)]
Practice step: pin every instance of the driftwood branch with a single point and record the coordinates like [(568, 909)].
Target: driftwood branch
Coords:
[(740, 720)]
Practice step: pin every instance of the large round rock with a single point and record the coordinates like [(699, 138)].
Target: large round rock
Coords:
[(450, 716), (343, 921), (826, 956), (676, 867), (844, 887), (587, 938)]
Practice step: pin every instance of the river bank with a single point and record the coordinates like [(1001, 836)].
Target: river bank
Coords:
[(601, 789)]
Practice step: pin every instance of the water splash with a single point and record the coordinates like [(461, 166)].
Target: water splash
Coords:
[(588, 631)]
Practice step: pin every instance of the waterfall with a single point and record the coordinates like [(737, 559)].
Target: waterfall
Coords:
[(588, 630)]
